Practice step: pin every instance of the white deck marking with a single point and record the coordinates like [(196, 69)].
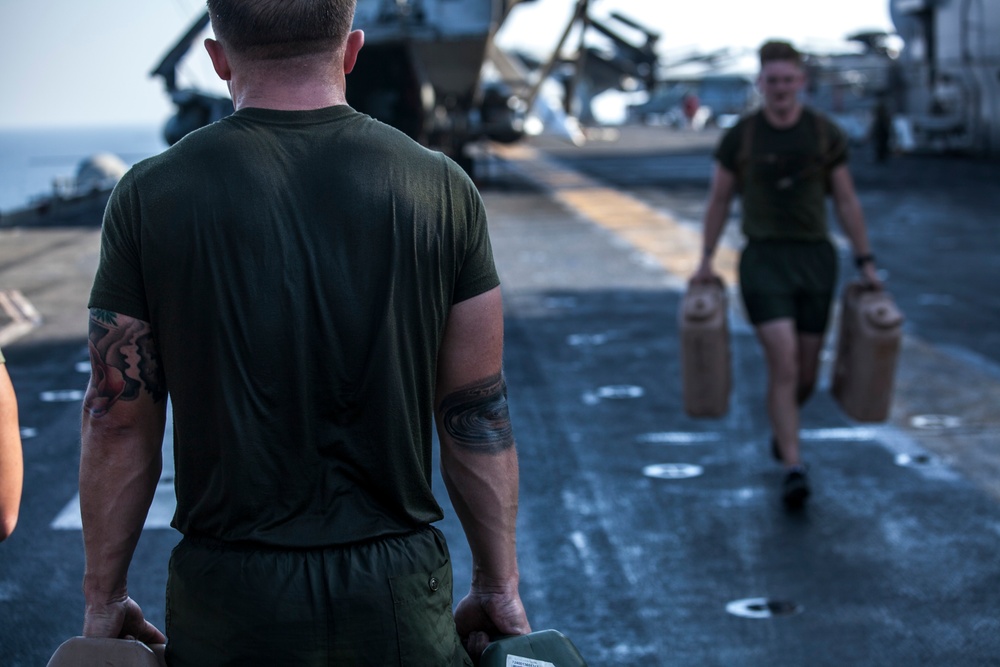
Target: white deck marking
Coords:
[(61, 396), (673, 470), (846, 434), (24, 317), (679, 438), (613, 392)]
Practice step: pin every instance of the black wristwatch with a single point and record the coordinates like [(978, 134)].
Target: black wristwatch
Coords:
[(861, 260)]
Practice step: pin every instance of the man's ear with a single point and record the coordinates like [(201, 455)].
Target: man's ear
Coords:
[(219, 60), (355, 40)]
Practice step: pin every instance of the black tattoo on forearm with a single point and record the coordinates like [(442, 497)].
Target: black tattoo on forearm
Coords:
[(476, 416), (124, 362)]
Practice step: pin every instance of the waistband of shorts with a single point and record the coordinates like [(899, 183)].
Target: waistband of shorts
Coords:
[(205, 542), (787, 242)]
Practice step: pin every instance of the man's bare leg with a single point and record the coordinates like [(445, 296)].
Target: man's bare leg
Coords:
[(781, 351), (810, 347)]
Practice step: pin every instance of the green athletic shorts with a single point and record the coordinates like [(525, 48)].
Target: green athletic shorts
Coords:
[(789, 279), (382, 603)]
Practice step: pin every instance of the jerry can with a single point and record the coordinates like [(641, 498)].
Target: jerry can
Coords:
[(100, 652), (869, 338), (545, 648), (705, 356)]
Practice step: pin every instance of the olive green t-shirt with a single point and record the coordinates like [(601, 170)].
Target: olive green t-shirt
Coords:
[(297, 268), (783, 176)]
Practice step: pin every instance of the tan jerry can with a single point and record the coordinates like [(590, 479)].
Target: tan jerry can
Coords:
[(98, 652), (871, 331), (705, 355)]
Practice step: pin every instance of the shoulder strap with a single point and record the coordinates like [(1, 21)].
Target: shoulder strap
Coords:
[(746, 147), (746, 139), (821, 133), (823, 139)]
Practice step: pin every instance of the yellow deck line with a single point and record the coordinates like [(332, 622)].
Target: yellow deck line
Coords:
[(676, 247)]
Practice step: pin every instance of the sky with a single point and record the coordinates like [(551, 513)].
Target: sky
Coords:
[(75, 63)]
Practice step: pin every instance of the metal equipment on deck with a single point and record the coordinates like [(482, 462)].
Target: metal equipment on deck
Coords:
[(420, 71), (951, 67)]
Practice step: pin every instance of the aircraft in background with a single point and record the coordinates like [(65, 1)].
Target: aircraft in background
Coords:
[(615, 54), (432, 69), (421, 72)]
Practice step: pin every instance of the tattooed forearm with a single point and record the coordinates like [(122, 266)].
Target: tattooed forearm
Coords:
[(123, 360), (476, 416)]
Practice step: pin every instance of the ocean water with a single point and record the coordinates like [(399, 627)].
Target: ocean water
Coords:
[(32, 159)]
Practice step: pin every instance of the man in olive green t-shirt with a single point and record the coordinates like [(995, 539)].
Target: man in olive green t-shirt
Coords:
[(316, 292), (782, 162)]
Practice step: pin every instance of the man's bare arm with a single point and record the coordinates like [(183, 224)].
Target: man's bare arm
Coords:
[(479, 465), (11, 457), (852, 219), (124, 414), (720, 200)]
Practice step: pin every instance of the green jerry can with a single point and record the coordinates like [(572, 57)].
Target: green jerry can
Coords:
[(545, 648), (95, 652)]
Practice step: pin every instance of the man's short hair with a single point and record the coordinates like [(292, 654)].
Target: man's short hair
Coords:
[(275, 29), (779, 50)]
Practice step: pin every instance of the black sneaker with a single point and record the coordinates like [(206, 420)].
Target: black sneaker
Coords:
[(796, 489)]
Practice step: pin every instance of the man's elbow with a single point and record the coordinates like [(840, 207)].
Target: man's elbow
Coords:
[(848, 208), (113, 426)]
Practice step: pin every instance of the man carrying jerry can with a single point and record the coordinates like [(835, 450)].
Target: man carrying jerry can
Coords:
[(782, 161)]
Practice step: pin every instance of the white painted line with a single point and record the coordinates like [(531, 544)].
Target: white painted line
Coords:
[(934, 422), (27, 312), (679, 438), (621, 391), (579, 541), (613, 392), (673, 470), (851, 434), (61, 396), (23, 315), (83, 367)]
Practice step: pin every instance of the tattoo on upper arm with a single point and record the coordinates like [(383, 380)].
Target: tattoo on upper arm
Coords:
[(124, 362), (476, 416)]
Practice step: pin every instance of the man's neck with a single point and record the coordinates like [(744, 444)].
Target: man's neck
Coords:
[(784, 117), (296, 86), (288, 98)]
